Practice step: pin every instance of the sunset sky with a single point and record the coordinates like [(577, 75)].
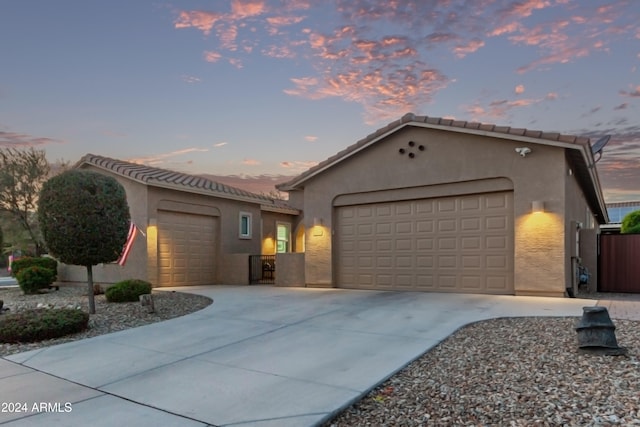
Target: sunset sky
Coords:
[(267, 88)]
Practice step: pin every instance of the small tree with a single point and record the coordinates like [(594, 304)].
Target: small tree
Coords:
[(84, 217), (631, 223), (22, 173)]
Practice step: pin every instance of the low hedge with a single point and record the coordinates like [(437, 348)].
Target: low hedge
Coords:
[(27, 261), (41, 324), (127, 290), (32, 279)]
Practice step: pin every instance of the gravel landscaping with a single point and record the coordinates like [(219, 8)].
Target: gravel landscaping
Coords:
[(510, 372), (109, 317)]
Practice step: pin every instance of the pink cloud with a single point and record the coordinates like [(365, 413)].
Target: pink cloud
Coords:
[(250, 162), (498, 109), (203, 21), (211, 56), (247, 8), (163, 157), (561, 57), (511, 27), (311, 138), (633, 93), (281, 21), (14, 139), (279, 52), (297, 165), (519, 89), (236, 62), (463, 50)]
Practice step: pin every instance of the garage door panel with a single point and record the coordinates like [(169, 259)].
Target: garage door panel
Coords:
[(451, 244), (404, 244), (470, 243), (186, 249)]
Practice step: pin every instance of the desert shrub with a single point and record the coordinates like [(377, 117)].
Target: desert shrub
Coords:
[(34, 278), (27, 261), (631, 223), (41, 324), (127, 290)]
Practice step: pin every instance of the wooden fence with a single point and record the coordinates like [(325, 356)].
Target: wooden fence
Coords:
[(619, 263)]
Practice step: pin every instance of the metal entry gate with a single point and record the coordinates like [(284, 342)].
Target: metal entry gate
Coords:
[(262, 269)]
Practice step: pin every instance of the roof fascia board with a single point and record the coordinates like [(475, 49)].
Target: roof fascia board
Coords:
[(278, 209)]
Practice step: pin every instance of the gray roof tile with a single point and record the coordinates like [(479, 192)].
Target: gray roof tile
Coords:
[(180, 181)]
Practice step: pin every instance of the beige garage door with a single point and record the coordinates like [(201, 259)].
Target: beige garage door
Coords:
[(452, 244), (186, 249)]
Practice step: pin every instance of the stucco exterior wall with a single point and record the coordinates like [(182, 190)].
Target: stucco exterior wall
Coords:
[(450, 157), (290, 269), (577, 218), (236, 270)]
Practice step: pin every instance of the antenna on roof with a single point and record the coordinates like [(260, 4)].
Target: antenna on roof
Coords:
[(599, 146)]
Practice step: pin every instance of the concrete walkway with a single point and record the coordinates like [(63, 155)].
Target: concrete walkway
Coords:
[(258, 356)]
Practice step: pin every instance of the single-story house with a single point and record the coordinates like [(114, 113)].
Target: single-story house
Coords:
[(431, 204), (193, 231)]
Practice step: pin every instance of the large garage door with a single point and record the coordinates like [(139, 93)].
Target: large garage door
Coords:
[(451, 244), (186, 249)]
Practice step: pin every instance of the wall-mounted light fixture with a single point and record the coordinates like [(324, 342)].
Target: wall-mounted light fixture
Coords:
[(523, 151), (537, 206), (317, 222)]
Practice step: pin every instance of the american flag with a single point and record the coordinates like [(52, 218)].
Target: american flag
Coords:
[(133, 231)]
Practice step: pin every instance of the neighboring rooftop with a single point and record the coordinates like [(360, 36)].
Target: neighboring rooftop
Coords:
[(617, 211), (181, 181)]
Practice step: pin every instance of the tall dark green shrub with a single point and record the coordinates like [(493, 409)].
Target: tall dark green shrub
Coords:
[(84, 217), (631, 223)]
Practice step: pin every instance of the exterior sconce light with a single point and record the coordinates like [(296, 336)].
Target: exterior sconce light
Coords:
[(537, 206), (317, 222)]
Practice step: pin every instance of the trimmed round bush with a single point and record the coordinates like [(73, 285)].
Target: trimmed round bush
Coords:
[(41, 324), (34, 278), (631, 223), (127, 290), (28, 261)]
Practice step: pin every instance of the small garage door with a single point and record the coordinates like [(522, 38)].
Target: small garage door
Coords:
[(450, 244), (186, 249)]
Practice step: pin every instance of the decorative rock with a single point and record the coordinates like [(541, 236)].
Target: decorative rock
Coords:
[(596, 332), (146, 300)]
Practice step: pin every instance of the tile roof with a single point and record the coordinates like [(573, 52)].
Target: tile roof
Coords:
[(440, 123), (181, 181)]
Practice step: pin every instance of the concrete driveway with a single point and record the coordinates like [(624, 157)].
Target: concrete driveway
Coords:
[(258, 356)]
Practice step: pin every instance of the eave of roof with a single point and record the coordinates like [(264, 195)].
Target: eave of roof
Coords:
[(164, 178), (584, 162)]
